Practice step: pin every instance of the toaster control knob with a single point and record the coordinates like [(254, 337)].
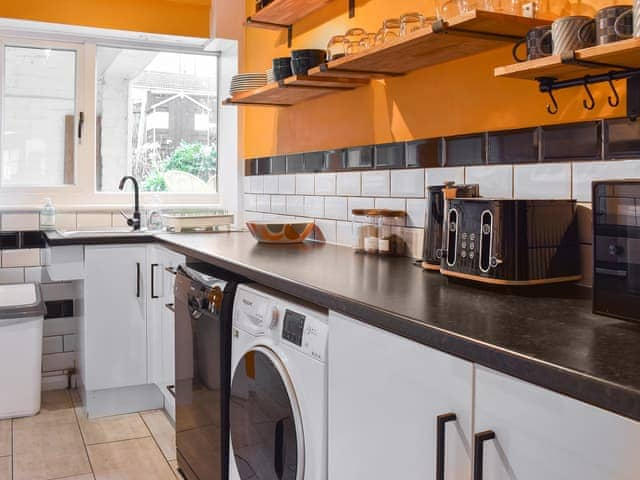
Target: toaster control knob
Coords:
[(463, 244), (486, 229), (615, 250), (463, 254), (275, 316), (472, 255), (472, 237), (439, 253), (494, 262)]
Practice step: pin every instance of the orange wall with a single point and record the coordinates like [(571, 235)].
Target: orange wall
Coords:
[(457, 97), (175, 17)]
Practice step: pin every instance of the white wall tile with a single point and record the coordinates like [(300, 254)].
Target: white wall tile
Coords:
[(11, 275), (361, 203), (250, 202), (542, 181), (93, 221), (415, 212), (586, 172), (392, 203), (58, 361), (279, 204), (33, 274), (295, 205), (343, 233), (52, 345), (256, 184), (325, 231), (55, 382), (263, 203), (439, 176), (246, 184), (29, 257), (66, 221), (314, 207), (376, 183), (495, 180), (118, 221), (305, 184), (286, 184), (60, 326), (348, 183), (252, 216), (58, 291), (336, 208), (325, 184), (20, 221), (271, 184), (408, 183), (70, 343)]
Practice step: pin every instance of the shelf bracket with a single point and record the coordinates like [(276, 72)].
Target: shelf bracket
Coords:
[(288, 28), (352, 8), (365, 74), (570, 58), (440, 26)]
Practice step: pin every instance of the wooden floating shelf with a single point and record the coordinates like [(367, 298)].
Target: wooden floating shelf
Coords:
[(286, 12), (294, 90), (621, 55), (465, 35)]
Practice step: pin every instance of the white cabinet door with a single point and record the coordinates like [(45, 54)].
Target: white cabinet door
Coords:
[(385, 394), (114, 326), (541, 434)]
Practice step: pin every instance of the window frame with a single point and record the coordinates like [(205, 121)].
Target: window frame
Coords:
[(84, 190)]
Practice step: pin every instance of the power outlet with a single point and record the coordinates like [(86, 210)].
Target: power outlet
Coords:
[(530, 9)]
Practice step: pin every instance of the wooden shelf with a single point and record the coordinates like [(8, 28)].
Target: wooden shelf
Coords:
[(294, 90), (620, 55), (286, 12), (468, 34)]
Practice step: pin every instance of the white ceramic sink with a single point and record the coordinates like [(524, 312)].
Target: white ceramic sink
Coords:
[(110, 232)]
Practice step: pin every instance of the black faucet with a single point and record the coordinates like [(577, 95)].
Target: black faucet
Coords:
[(135, 220)]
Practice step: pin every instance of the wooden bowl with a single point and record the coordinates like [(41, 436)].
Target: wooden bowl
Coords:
[(282, 233)]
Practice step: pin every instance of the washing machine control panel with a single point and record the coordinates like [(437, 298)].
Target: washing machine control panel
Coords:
[(306, 332)]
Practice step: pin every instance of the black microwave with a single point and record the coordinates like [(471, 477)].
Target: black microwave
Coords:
[(616, 249)]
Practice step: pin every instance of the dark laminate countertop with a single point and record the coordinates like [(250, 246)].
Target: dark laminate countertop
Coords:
[(550, 339)]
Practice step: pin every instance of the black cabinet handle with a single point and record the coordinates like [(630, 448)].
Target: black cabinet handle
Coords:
[(80, 124), (440, 442), (171, 307), (171, 270), (172, 390), (478, 452), (153, 281), (138, 279), (278, 461)]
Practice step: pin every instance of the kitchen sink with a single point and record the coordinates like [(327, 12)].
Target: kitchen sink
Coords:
[(111, 232)]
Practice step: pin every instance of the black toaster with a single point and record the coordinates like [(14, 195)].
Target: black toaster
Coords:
[(511, 242)]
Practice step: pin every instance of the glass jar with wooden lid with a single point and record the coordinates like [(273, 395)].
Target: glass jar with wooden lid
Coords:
[(364, 229), (391, 225)]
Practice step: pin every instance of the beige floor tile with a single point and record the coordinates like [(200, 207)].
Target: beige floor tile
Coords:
[(162, 431), (112, 429), (88, 476), (45, 450), (174, 466), (75, 397), (5, 468), (138, 459), (5, 438), (56, 407)]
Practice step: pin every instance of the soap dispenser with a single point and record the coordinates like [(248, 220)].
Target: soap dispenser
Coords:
[(48, 216)]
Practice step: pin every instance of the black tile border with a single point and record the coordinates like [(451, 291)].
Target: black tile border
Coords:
[(22, 240), (432, 153)]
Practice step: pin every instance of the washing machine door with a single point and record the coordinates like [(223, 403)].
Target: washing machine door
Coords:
[(266, 426)]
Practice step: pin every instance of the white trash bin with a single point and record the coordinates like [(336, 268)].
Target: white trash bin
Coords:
[(21, 316)]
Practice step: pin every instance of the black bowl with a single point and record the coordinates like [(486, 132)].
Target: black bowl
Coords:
[(282, 68), (308, 53), (304, 60)]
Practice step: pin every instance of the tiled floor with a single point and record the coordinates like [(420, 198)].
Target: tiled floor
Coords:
[(60, 443)]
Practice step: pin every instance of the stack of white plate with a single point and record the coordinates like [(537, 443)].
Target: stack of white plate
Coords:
[(247, 81), (270, 77)]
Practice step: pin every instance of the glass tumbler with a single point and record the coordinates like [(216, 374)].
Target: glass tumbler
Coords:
[(352, 40), (410, 22), (391, 29), (336, 47)]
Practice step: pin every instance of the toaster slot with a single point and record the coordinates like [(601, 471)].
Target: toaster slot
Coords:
[(452, 236), (486, 240)]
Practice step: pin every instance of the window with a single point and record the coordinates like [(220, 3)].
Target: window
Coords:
[(157, 120), (38, 116)]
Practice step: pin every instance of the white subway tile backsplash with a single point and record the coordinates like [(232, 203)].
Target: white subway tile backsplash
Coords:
[(66, 221), (305, 184), (52, 345), (542, 181), (263, 203), (246, 183), (118, 221), (415, 212), (348, 183), (93, 221), (58, 361), (60, 326), (391, 204), (20, 221), (325, 184), (295, 205), (256, 184), (55, 382), (361, 203), (325, 231), (58, 291), (11, 275), (286, 184), (343, 233), (33, 274), (29, 257), (376, 183), (279, 204), (314, 207), (408, 183), (70, 343), (586, 172), (440, 176), (250, 202), (336, 208), (271, 184), (495, 180)]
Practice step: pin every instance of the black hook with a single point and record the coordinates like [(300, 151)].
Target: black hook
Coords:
[(552, 110), (616, 102), (591, 104)]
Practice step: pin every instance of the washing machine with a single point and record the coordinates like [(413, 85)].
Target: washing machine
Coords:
[(278, 407)]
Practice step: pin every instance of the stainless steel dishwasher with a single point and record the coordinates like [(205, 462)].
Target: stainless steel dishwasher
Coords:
[(204, 304)]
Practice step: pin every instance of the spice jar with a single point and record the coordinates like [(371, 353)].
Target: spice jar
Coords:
[(390, 228), (364, 230), (372, 233)]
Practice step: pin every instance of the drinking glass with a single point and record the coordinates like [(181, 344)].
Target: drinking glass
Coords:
[(336, 47), (410, 22)]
